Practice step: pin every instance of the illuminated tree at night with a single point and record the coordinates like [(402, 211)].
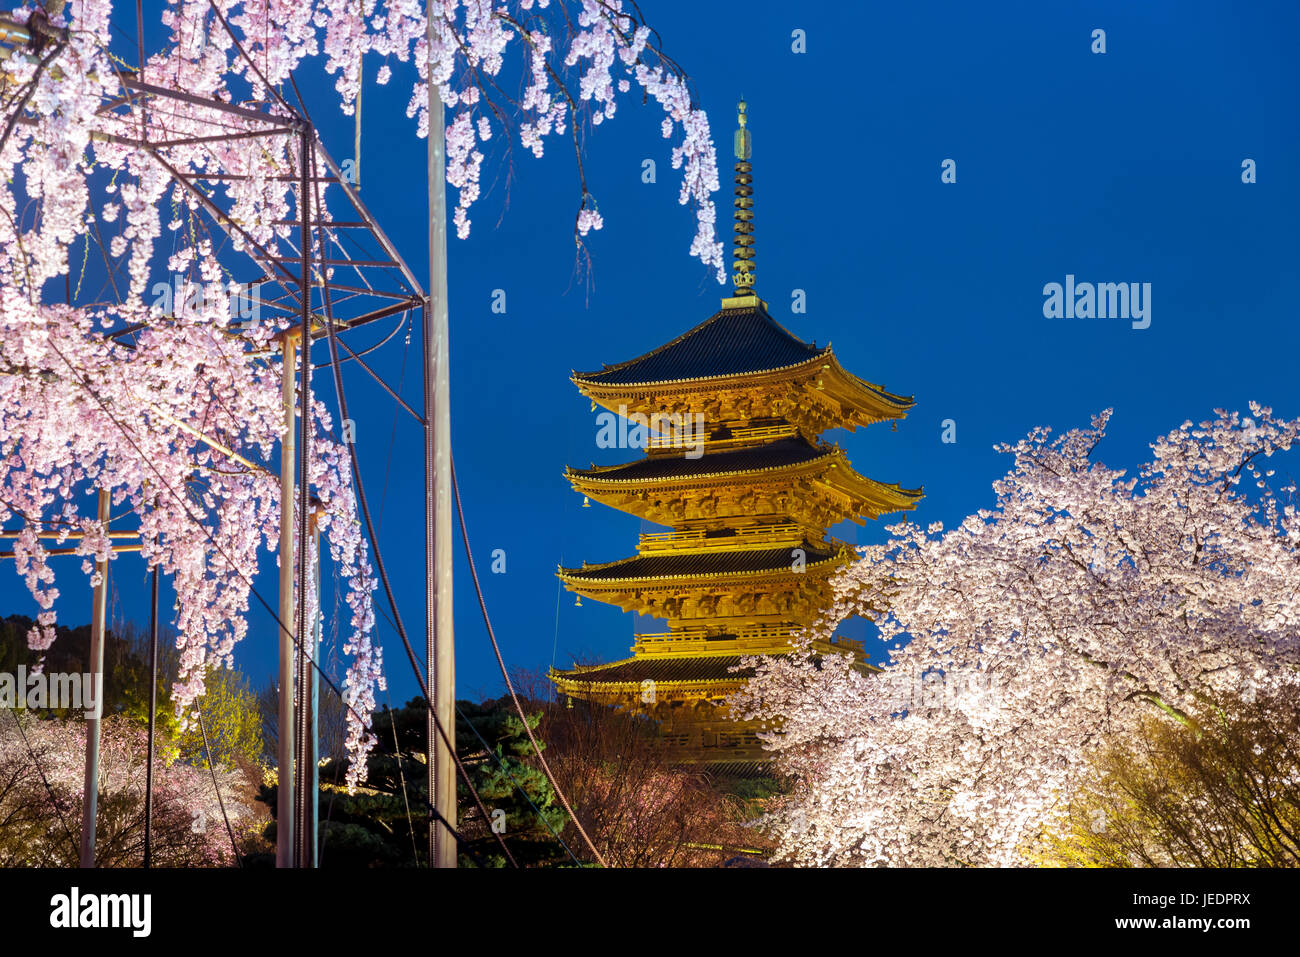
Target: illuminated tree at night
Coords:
[(169, 407), (1084, 603)]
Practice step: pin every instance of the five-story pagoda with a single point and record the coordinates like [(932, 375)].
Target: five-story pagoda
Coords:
[(747, 562)]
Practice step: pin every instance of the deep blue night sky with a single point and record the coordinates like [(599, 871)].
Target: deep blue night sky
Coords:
[(1123, 166)]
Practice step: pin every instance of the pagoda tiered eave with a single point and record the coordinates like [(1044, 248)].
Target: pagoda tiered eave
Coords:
[(751, 587), (789, 475), (699, 676), (705, 568)]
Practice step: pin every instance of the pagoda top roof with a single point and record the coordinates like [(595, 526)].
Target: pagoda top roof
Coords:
[(695, 565), (733, 341), (741, 339)]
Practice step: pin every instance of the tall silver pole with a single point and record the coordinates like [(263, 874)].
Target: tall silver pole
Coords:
[(153, 716), (439, 622), (314, 756), (284, 830), (90, 790), (306, 210)]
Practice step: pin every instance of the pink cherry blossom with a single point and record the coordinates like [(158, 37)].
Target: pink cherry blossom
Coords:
[(1039, 629), (181, 421)]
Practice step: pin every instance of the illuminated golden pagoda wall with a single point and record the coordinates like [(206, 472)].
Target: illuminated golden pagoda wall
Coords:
[(747, 561)]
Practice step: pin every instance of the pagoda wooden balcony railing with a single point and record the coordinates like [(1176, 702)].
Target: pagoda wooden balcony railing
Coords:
[(840, 643), (725, 747), (779, 632), (724, 540), (694, 640), (697, 642), (655, 646), (751, 435)]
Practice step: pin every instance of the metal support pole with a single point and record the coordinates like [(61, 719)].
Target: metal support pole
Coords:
[(153, 717), (90, 790), (314, 704), (307, 777), (303, 772), (440, 646), (284, 752), (304, 736)]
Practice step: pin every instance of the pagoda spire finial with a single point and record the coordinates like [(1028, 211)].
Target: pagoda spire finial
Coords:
[(742, 277)]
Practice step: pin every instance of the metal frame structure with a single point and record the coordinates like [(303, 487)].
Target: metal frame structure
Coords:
[(342, 273)]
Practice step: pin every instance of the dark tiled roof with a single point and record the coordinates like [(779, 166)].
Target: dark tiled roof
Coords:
[(717, 563), (665, 669), (731, 342), (730, 770), (773, 455)]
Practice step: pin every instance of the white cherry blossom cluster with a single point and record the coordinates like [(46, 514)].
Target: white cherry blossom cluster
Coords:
[(603, 42), (1085, 599), (169, 417)]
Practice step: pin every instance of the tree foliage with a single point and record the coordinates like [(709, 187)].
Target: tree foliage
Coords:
[(639, 808), (1029, 636), (386, 823), (1220, 791), (41, 783), (170, 421), (232, 720), (230, 708)]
